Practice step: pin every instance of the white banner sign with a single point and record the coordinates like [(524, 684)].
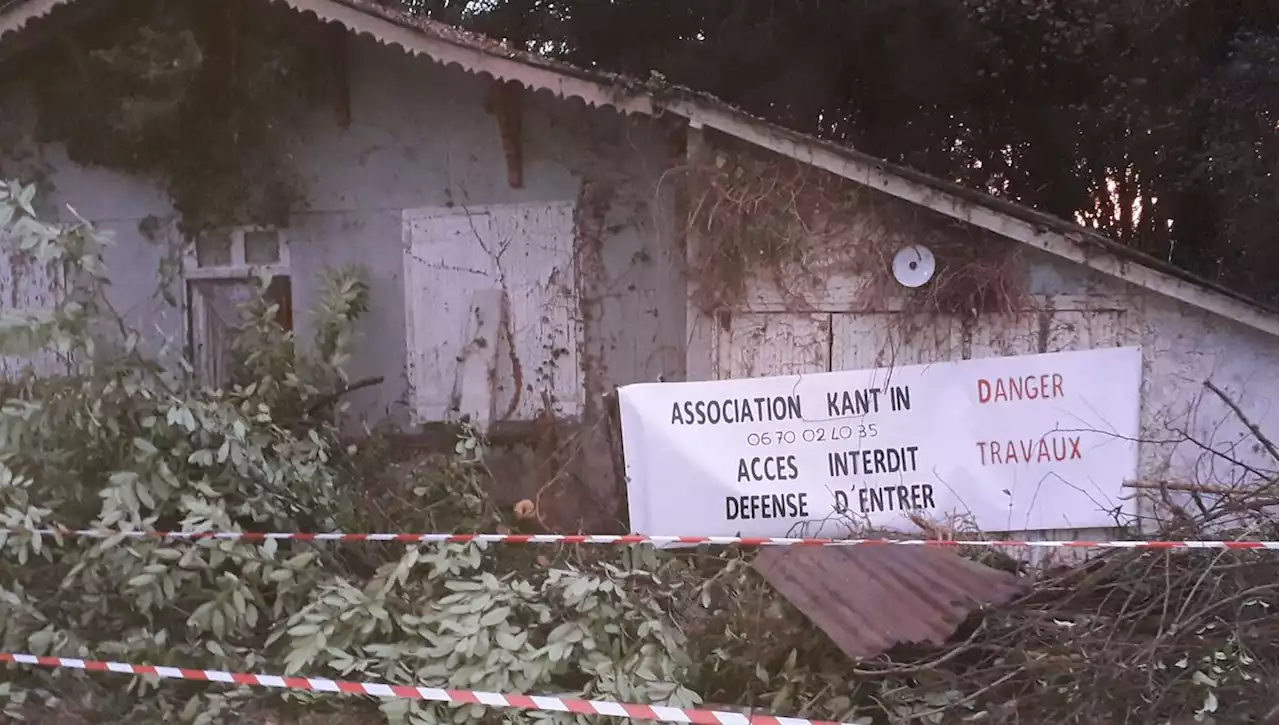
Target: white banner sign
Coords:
[(1014, 443)]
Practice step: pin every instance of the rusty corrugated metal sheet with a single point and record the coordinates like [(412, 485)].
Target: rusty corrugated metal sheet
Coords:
[(868, 599)]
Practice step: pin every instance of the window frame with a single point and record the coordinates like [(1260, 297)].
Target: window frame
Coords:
[(238, 268)]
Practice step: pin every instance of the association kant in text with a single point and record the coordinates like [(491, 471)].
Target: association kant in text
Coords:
[(849, 403), (736, 410)]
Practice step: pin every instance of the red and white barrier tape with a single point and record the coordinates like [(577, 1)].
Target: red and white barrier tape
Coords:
[(434, 694), (639, 539)]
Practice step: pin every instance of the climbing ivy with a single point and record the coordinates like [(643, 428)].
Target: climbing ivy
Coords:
[(200, 96)]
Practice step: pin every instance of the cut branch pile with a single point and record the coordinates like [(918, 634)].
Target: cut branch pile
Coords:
[(1129, 636)]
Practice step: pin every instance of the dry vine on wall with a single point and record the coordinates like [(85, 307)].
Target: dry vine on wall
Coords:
[(198, 96), (782, 222)]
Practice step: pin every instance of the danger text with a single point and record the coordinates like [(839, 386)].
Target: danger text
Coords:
[(1030, 387)]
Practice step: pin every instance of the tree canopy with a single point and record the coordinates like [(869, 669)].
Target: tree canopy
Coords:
[(1153, 121)]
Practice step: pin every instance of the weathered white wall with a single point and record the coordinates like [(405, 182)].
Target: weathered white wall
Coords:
[(115, 203), (851, 320), (420, 136)]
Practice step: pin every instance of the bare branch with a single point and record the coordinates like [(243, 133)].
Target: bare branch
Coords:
[(1253, 427)]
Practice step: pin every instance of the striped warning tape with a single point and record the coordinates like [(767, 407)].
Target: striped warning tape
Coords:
[(434, 694), (639, 539)]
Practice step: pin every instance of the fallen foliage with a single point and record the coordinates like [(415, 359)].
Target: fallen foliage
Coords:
[(111, 438), (117, 440)]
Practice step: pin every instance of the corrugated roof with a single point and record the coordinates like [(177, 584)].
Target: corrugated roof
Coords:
[(869, 599)]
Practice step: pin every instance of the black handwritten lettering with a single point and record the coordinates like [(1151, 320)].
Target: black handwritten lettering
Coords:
[(767, 506), (767, 468), (842, 501), (900, 397), (736, 410), (872, 461), (853, 402), (899, 497), (865, 401)]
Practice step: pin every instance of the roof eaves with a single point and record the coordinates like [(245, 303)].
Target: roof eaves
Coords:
[(1064, 239), (15, 14), (473, 53), (1036, 229)]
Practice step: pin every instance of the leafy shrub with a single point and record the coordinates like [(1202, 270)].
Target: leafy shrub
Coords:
[(118, 441)]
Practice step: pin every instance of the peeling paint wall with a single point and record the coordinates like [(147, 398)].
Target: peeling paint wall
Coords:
[(421, 136), (134, 212), (852, 320)]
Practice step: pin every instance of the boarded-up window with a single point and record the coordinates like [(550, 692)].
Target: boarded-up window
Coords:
[(883, 340), (775, 336), (1049, 330), (455, 257), (864, 341)]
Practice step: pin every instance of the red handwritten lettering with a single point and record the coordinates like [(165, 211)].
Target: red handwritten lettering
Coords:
[(1030, 387), (1055, 449)]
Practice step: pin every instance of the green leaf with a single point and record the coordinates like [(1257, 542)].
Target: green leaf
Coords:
[(300, 561), (142, 580), (123, 478), (511, 641), (495, 616), (395, 711)]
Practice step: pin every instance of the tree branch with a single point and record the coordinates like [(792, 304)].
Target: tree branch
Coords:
[(1253, 428), (331, 398)]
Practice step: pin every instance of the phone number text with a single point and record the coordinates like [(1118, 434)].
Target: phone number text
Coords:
[(814, 435)]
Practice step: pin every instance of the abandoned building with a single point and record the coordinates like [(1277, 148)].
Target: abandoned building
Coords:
[(536, 235)]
